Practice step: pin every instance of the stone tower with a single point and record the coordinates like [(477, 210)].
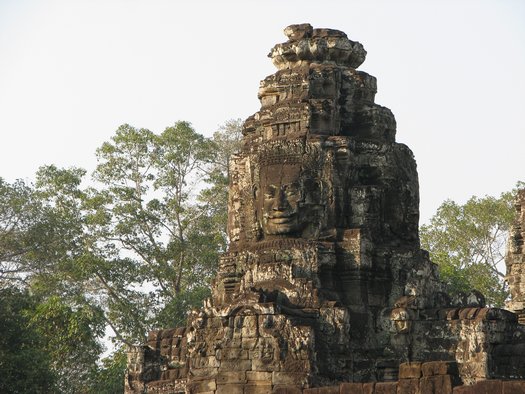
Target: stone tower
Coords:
[(324, 281)]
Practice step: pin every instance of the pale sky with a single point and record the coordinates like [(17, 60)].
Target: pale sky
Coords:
[(452, 72)]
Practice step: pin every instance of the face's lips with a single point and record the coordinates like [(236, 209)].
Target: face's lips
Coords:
[(282, 220), (280, 215)]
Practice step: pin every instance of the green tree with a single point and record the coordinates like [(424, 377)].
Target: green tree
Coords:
[(108, 378), (43, 241), (71, 338), (25, 364), (132, 252), (148, 188), (207, 233), (468, 243), (26, 231), (40, 226), (226, 142)]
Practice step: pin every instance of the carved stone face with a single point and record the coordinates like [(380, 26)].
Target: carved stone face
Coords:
[(281, 195), (402, 320), (285, 198), (280, 208)]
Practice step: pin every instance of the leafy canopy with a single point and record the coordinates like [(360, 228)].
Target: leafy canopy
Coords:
[(468, 243), (132, 252)]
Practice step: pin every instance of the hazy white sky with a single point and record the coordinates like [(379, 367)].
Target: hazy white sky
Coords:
[(453, 73)]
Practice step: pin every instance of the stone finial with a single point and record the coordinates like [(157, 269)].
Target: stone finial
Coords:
[(308, 45), (298, 32)]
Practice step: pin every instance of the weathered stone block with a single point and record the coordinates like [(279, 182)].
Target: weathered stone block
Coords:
[(183, 372), (264, 365), (209, 372), (408, 386), (329, 390), (236, 365), (257, 388), (464, 390), (259, 376), (296, 379), (481, 387), (439, 368), (286, 390), (369, 388), (439, 384), (410, 370), (351, 388), (510, 387), (230, 389), (172, 374), (231, 377), (386, 388), (232, 354), (249, 343), (201, 386)]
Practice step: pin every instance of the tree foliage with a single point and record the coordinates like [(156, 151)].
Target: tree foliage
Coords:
[(133, 251), (226, 142), (25, 364), (73, 347), (148, 213), (468, 243), (26, 233)]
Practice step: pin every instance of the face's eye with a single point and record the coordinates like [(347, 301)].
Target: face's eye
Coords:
[(270, 191), (292, 189)]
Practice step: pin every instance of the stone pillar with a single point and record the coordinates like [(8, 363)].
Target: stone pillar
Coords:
[(133, 382), (515, 261)]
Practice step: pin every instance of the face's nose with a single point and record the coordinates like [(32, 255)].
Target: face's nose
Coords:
[(280, 203)]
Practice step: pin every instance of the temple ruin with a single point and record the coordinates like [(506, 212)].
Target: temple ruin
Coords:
[(324, 287)]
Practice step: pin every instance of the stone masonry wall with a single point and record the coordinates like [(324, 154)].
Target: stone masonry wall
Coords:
[(435, 377)]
